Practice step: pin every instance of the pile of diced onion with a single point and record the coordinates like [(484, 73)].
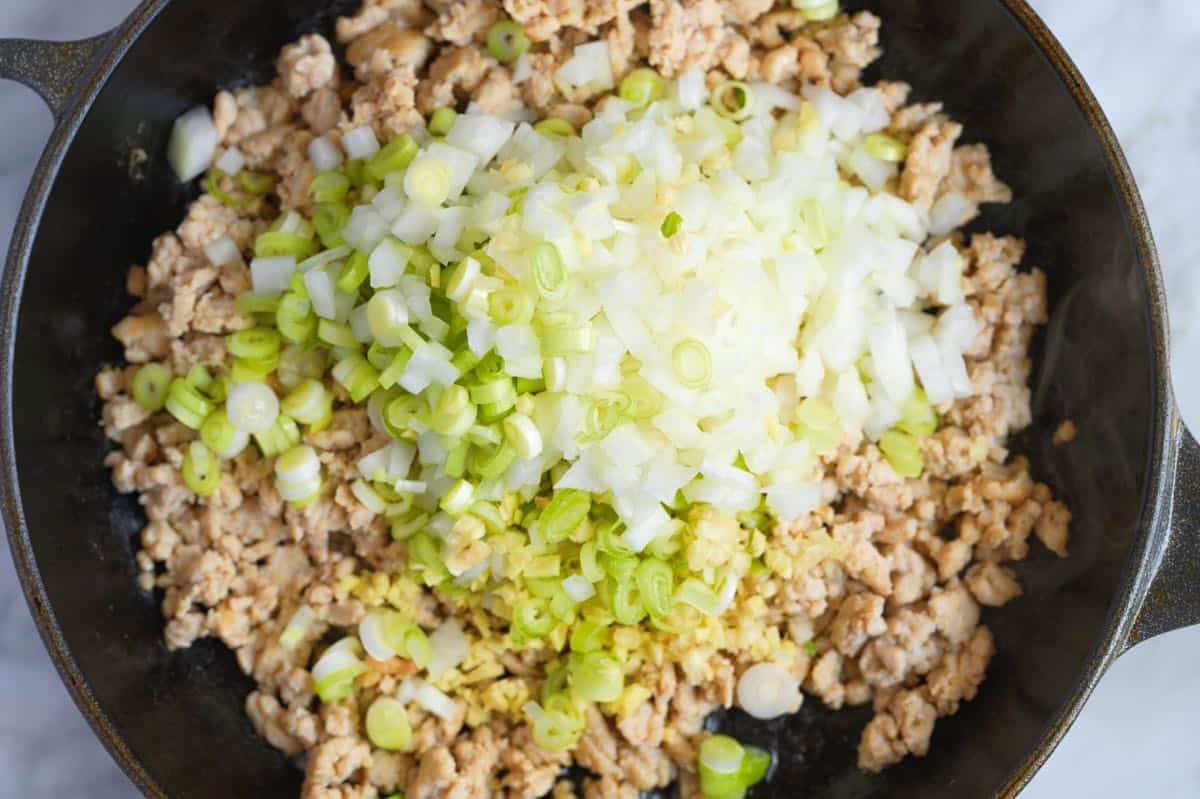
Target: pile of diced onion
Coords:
[(604, 358)]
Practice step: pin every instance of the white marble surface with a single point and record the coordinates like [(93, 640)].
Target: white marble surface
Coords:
[(1137, 735)]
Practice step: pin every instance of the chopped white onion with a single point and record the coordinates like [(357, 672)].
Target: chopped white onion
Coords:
[(193, 143), (272, 275), (222, 251), (231, 161), (360, 143), (434, 701), (324, 154), (371, 634)]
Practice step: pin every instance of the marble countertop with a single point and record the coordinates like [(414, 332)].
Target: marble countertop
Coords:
[(1136, 737)]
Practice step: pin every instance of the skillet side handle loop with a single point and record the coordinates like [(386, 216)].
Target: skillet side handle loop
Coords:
[(1173, 600), (52, 69)]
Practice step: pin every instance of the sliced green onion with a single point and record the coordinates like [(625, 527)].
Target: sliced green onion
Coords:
[(151, 385), (553, 127), (671, 225), (250, 304), (200, 378), (295, 318), (820, 13), (641, 87), (457, 498), (441, 121), (354, 273), (257, 183), (917, 416), (297, 364), (733, 100), (428, 181), (885, 147), (307, 403), (588, 636), (818, 425), (392, 372), (566, 340), (720, 761), (510, 305), (393, 157), (532, 620), (406, 527), (691, 363), (340, 684), (200, 469), (522, 433), (257, 342), (329, 220), (277, 242), (903, 452), (755, 766), (387, 725), (622, 600), (336, 334), (656, 585), (185, 402), (491, 463), (506, 41), (215, 176), (282, 436), (645, 401), (695, 593), (247, 370), (329, 187), (387, 317), (453, 414), (500, 389), (219, 435), (589, 562), (596, 676), (549, 273), (355, 373), (565, 512), (557, 727)]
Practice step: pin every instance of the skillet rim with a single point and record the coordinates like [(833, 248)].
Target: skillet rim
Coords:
[(1148, 545)]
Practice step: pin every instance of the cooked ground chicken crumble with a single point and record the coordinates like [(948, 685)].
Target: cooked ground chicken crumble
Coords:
[(896, 623)]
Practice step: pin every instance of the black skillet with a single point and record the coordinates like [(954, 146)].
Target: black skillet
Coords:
[(174, 721)]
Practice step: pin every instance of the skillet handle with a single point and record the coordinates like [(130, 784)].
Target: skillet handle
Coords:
[(52, 69), (1173, 599)]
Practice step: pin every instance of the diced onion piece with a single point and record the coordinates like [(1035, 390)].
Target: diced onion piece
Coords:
[(324, 154), (222, 251), (231, 161), (360, 143), (272, 275), (193, 143)]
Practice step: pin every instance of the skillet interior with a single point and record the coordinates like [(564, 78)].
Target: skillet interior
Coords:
[(181, 713)]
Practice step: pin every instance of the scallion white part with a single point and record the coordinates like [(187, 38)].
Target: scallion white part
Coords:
[(252, 407), (767, 691)]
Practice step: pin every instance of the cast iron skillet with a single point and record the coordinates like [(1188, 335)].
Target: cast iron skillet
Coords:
[(174, 721)]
